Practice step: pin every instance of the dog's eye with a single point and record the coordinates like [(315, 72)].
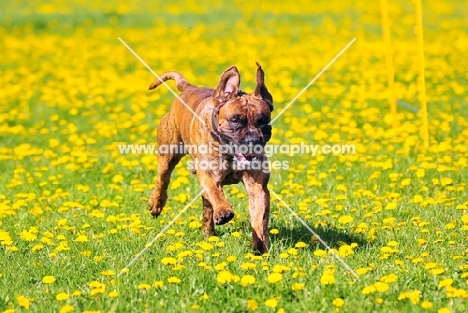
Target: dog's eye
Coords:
[(237, 122), (234, 120)]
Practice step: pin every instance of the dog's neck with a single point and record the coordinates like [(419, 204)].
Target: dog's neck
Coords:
[(214, 124)]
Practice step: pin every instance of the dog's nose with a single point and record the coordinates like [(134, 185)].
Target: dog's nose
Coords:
[(253, 140)]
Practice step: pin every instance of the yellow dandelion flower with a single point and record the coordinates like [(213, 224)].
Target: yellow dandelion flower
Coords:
[(204, 297), (427, 305), (368, 290), (113, 294), (76, 293), (338, 302), (231, 259), (278, 268), (247, 280), (48, 279), (363, 270), (342, 187), (275, 277), (292, 251), (391, 206), (173, 280), (413, 296), (144, 286), (450, 226), (221, 266), (446, 181), (81, 238), (224, 277), (108, 273), (252, 305), (345, 219), (271, 303), (388, 250), (62, 296), (67, 308), (390, 278), (96, 284), (345, 250), (117, 179), (297, 286), (445, 283), (158, 284), (205, 246), (328, 277), (98, 291), (300, 244), (194, 225), (464, 219), (184, 254), (28, 236), (381, 286), (248, 266), (213, 239), (169, 261), (37, 247), (437, 271), (23, 302), (320, 252), (430, 265)]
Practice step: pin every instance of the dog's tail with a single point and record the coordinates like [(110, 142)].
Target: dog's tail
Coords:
[(180, 80)]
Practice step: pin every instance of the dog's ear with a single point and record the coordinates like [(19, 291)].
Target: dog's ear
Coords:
[(228, 85), (261, 90)]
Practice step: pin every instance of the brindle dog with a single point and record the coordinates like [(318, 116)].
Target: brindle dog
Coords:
[(231, 118)]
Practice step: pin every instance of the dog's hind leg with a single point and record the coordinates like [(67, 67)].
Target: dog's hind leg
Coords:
[(207, 221), (167, 161)]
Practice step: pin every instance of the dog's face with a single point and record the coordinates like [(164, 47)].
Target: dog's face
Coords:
[(242, 119)]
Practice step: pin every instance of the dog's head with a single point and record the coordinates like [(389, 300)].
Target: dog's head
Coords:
[(242, 119)]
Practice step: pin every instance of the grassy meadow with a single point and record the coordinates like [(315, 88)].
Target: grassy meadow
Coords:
[(73, 210)]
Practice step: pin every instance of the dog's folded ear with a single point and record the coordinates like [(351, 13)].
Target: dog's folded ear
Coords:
[(228, 85), (261, 90)]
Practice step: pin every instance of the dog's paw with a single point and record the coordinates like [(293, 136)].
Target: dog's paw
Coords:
[(223, 216), (154, 207), (157, 201), (260, 247)]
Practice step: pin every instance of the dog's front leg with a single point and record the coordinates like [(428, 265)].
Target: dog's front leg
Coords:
[(255, 183), (207, 220), (213, 193)]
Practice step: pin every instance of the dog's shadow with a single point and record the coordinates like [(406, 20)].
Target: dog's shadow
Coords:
[(289, 236)]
